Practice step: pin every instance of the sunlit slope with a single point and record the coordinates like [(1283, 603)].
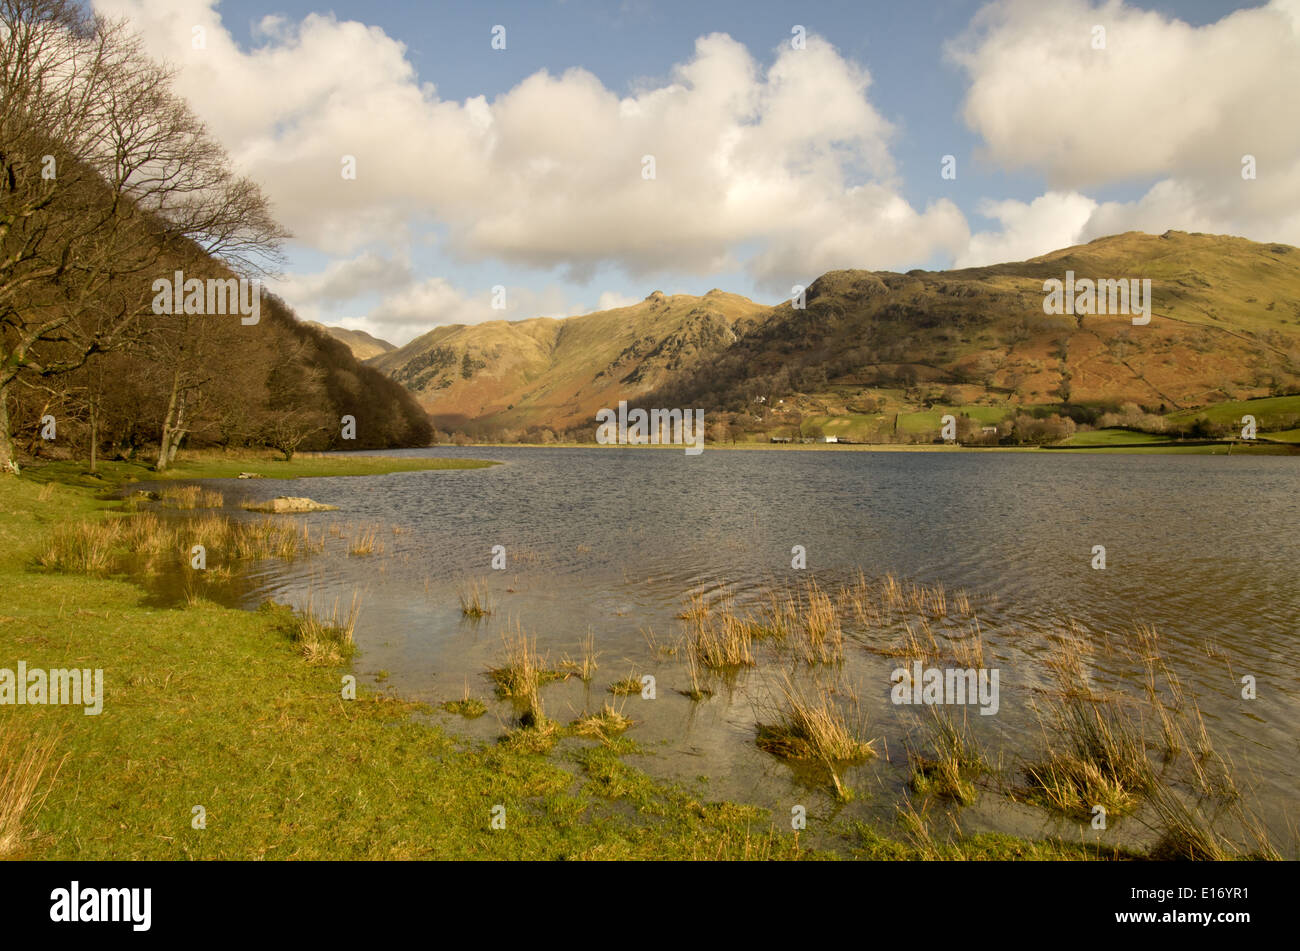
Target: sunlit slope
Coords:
[(1225, 324), (558, 373)]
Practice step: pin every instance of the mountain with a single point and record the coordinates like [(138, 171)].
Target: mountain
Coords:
[(557, 373), (1225, 325), (363, 345)]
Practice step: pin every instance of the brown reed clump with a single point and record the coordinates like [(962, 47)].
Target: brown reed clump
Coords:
[(814, 730), (25, 760)]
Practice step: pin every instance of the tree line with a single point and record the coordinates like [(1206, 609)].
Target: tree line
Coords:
[(108, 184)]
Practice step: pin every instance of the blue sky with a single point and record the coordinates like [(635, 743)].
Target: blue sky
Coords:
[(920, 91)]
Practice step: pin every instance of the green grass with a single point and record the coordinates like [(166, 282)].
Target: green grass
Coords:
[(1112, 437), (931, 420), (1232, 411), (879, 428), (470, 707), (1237, 449), (215, 465), (871, 844), (856, 426)]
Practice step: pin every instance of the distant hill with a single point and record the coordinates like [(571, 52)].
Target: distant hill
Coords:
[(363, 345), (872, 347), (556, 373)]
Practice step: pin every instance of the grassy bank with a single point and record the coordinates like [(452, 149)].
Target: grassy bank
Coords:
[(218, 708), (220, 465)]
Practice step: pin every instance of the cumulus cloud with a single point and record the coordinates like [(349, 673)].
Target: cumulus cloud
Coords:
[(1165, 105), (345, 279), (785, 171), (417, 308), (1051, 221)]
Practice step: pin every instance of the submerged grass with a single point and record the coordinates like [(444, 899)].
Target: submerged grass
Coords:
[(814, 730), (950, 762), (365, 542), (522, 670), (697, 691), (585, 667), (191, 497), (324, 638), (475, 599), (625, 686), (1097, 752), (721, 642), (471, 708), (142, 539), (602, 726)]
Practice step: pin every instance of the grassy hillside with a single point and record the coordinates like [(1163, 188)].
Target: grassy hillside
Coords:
[(1225, 325)]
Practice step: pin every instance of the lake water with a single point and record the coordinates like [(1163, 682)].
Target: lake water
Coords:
[(611, 541)]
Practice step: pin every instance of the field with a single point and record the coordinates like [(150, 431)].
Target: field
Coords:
[(1264, 410), (1114, 437)]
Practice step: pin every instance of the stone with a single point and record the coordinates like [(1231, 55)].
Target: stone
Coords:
[(287, 504)]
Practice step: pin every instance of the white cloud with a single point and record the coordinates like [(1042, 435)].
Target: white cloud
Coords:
[(1164, 101), (344, 280), (417, 308), (1051, 221), (786, 171)]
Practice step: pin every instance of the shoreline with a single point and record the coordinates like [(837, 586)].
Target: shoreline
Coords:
[(1197, 447), (283, 767)]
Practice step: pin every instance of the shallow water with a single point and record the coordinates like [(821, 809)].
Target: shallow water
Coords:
[(611, 541)]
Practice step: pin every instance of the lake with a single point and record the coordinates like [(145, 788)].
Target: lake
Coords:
[(613, 541)]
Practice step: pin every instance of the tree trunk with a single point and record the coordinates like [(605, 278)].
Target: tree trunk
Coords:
[(94, 435), (7, 462), (165, 442), (178, 431)]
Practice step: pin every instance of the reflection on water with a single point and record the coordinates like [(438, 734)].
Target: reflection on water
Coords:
[(612, 541)]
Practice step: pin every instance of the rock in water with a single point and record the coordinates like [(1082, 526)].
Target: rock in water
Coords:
[(283, 504)]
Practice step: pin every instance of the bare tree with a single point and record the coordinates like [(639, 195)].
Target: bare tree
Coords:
[(104, 175)]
